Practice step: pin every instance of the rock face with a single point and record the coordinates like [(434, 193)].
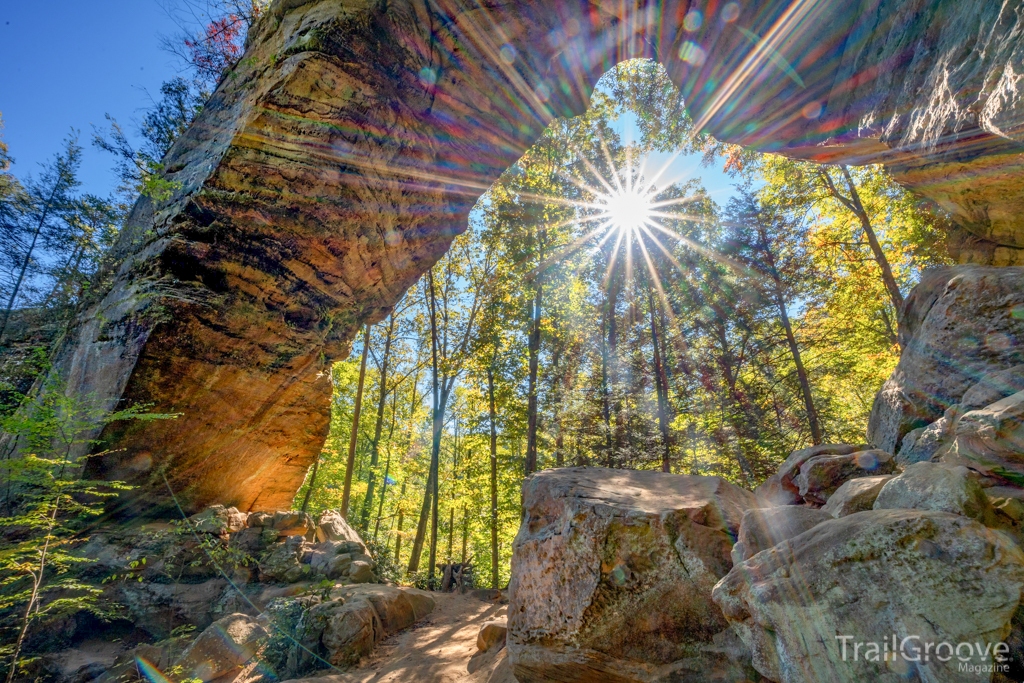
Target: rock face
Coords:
[(336, 162), (932, 576), (612, 572), (959, 325)]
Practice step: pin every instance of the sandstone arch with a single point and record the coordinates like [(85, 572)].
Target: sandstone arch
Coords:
[(336, 163)]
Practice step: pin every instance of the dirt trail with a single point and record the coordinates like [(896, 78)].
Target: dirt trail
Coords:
[(439, 649)]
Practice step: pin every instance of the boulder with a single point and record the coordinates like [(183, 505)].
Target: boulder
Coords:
[(339, 566), (397, 608), (921, 444), (612, 572), (931, 486), (491, 634), (929, 576), (361, 572), (821, 475), (856, 495), (282, 562), (333, 527), (159, 608), (781, 488), (219, 520), (292, 523), (991, 440), (254, 540), (1007, 501), (223, 648), (345, 629), (352, 630), (959, 324), (763, 528)]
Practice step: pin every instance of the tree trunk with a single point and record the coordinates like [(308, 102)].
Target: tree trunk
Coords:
[(794, 349), (494, 479), (312, 483), (854, 204), (465, 533), (661, 383), (531, 408), (387, 463), (364, 517), (353, 436), (429, 508), (398, 531), (24, 269)]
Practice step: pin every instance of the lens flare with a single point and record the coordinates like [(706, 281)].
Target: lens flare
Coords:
[(628, 210)]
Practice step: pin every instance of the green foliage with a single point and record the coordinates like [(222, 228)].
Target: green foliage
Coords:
[(46, 508), (718, 298)]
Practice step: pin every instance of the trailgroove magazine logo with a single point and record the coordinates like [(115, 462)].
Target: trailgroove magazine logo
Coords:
[(970, 657)]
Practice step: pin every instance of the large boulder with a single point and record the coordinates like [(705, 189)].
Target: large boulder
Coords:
[(333, 527), (923, 443), (282, 562), (821, 475), (612, 572), (931, 486), (959, 325), (223, 648), (492, 633), (781, 488), (763, 528), (159, 608), (930, 577), (343, 629), (284, 523), (856, 495), (341, 560)]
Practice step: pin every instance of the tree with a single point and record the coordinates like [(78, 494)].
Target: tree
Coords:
[(452, 318), (382, 397), (771, 244), (350, 463), (42, 219), (51, 508), (216, 46)]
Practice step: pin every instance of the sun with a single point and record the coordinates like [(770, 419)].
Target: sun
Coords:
[(628, 209)]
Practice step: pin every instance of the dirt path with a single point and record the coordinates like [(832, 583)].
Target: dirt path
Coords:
[(439, 649)]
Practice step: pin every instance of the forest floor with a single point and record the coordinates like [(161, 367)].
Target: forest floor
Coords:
[(440, 648)]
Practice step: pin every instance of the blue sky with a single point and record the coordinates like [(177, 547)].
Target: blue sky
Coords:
[(67, 63)]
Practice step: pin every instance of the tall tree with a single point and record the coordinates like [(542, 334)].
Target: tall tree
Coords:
[(350, 463), (382, 397), (49, 201), (452, 316)]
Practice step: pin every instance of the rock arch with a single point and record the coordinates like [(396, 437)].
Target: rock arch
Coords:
[(335, 164)]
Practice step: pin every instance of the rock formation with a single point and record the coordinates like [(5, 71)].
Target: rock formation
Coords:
[(932, 577), (612, 572), (228, 595), (961, 330), (335, 163)]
